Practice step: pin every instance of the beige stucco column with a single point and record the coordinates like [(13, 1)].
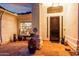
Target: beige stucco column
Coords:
[(40, 20), (1, 13), (77, 52), (43, 21), (35, 16)]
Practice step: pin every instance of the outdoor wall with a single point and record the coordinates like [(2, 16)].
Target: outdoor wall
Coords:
[(70, 18), (8, 27), (1, 13), (27, 17), (23, 18), (39, 20), (35, 15)]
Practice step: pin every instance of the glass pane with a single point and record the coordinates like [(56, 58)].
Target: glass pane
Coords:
[(25, 28)]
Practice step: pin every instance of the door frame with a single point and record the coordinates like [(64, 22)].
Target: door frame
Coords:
[(60, 26)]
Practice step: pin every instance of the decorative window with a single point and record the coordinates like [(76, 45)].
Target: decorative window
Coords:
[(25, 28)]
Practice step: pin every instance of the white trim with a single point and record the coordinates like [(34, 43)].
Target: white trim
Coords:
[(72, 42), (55, 14), (8, 12)]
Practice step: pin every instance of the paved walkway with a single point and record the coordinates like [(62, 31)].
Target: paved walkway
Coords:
[(13, 48), (48, 49), (54, 49)]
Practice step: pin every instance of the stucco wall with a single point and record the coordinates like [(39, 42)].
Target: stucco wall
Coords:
[(35, 16), (71, 24), (9, 27), (43, 21), (25, 17)]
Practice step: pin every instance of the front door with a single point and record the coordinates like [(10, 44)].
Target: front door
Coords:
[(54, 28)]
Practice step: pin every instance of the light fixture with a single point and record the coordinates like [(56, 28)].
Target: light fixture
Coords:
[(60, 4), (47, 4), (55, 4)]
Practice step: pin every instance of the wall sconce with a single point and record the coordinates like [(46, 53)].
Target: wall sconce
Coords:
[(55, 4)]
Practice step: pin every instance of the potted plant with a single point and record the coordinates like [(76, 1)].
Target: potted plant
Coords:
[(14, 37), (19, 37), (63, 40)]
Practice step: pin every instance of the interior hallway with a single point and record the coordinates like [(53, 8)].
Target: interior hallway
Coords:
[(19, 48)]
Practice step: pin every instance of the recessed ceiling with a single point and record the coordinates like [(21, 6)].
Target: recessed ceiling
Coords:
[(17, 7)]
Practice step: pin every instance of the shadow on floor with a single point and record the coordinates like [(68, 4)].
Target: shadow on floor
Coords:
[(24, 52)]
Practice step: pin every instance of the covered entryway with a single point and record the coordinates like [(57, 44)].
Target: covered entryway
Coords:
[(51, 31)]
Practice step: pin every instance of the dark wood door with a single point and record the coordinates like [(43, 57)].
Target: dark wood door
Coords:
[(54, 28)]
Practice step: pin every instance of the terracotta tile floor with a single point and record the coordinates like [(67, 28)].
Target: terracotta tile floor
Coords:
[(48, 49), (12, 48), (53, 49)]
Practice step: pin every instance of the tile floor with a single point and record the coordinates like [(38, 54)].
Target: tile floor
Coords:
[(19, 48)]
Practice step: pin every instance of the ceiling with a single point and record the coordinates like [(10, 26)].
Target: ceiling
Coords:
[(18, 8)]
